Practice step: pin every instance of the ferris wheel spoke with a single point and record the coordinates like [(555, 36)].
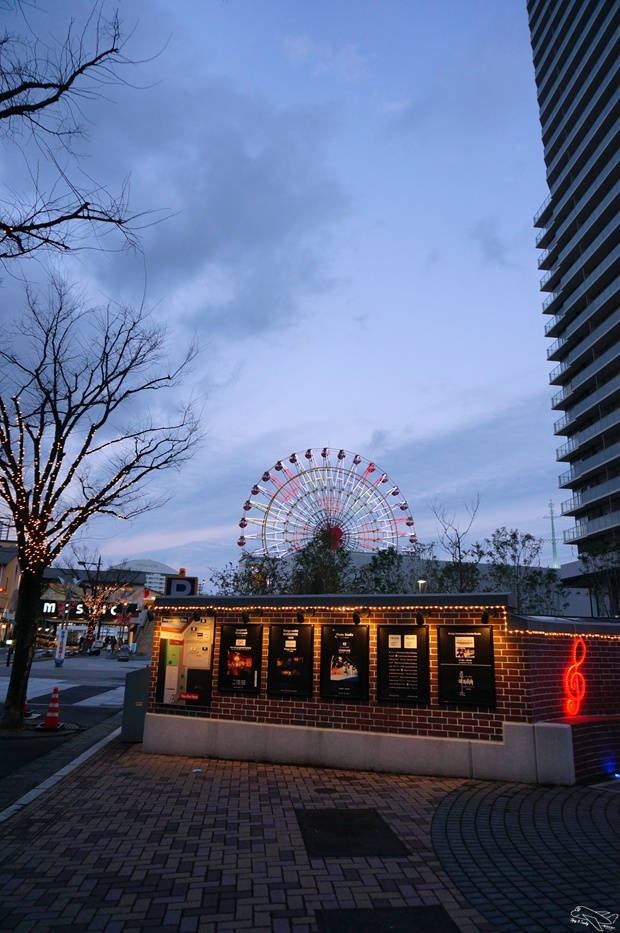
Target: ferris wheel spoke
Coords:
[(311, 492)]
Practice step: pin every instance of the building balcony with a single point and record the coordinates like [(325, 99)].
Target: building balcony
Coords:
[(593, 337), (586, 436), (561, 396), (589, 465), (591, 528), (588, 405), (591, 495), (543, 213), (573, 199)]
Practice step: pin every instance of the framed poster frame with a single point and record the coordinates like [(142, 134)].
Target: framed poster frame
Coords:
[(184, 672), (466, 665), (403, 663), (240, 660), (345, 661), (290, 661)]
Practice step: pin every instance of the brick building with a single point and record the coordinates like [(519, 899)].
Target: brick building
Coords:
[(455, 685)]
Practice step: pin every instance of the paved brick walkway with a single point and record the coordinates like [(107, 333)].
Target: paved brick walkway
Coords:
[(128, 841)]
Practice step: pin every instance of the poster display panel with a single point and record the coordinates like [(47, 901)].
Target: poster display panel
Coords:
[(185, 660), (289, 668), (466, 666), (240, 659), (402, 663), (344, 661)]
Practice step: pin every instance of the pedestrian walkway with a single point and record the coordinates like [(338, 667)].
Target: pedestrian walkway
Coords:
[(128, 841)]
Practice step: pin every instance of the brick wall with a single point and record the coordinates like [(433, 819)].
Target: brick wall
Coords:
[(596, 746), (529, 680), (547, 663)]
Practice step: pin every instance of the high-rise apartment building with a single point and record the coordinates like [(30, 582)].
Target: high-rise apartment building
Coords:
[(576, 50)]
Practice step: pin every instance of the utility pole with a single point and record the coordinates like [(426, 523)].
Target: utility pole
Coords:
[(554, 541)]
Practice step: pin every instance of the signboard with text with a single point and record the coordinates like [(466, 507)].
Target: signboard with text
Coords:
[(466, 666), (402, 663), (344, 661), (185, 660), (181, 586), (289, 668), (240, 659)]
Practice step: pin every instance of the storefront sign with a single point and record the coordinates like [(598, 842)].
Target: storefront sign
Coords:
[(466, 668), (289, 668), (344, 661), (402, 663)]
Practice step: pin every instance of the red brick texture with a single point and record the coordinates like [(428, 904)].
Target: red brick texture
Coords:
[(530, 672)]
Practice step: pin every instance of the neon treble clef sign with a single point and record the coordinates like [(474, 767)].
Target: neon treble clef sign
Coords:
[(574, 681)]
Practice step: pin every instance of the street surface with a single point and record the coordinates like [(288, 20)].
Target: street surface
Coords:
[(91, 689)]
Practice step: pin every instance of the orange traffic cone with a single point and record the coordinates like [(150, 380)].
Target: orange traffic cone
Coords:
[(51, 720)]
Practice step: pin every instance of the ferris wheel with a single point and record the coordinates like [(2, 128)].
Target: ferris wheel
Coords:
[(335, 493)]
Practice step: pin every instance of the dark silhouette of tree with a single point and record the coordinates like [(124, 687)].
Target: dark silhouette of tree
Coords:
[(384, 573), (44, 84), (515, 569), (601, 565), (252, 576), (460, 573), (77, 436), (320, 568)]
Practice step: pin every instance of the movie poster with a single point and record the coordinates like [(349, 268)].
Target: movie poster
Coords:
[(402, 663), (240, 659), (289, 669), (466, 666), (344, 661)]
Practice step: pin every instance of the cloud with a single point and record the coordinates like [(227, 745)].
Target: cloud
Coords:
[(346, 63), (485, 234), (252, 206), (506, 458)]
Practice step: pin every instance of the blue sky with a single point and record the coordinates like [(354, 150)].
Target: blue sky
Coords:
[(345, 194)]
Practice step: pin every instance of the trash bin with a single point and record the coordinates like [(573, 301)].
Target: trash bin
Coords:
[(134, 707)]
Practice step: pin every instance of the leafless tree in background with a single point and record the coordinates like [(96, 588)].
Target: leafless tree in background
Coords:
[(81, 434), (44, 84)]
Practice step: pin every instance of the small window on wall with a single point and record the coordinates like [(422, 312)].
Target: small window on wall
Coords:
[(184, 674)]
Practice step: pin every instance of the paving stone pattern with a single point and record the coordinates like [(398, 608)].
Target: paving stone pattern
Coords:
[(130, 841), (528, 855)]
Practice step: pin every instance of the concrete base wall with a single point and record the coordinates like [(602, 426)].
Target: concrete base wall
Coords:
[(533, 754)]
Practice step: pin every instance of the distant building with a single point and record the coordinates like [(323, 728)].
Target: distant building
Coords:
[(154, 572), (576, 52)]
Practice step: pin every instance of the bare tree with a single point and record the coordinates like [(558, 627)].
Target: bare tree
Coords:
[(43, 86), (252, 576), (515, 568), (101, 588), (601, 564), (461, 573), (77, 437)]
